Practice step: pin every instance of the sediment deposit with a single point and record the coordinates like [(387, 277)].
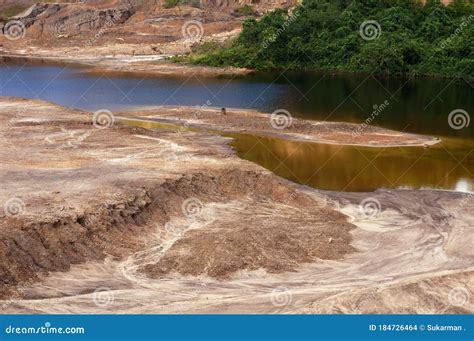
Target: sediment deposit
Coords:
[(282, 124)]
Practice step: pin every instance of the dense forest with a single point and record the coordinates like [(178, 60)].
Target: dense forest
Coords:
[(389, 37)]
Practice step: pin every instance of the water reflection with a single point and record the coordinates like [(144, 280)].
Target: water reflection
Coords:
[(349, 168), (417, 105), (357, 169)]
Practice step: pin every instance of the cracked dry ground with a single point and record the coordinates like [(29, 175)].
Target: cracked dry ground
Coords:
[(107, 208)]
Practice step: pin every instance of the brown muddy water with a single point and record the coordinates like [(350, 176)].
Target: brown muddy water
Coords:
[(446, 165)]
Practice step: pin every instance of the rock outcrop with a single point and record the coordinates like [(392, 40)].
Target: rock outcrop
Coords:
[(136, 22)]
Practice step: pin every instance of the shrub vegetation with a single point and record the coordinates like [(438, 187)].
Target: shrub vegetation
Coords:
[(414, 39)]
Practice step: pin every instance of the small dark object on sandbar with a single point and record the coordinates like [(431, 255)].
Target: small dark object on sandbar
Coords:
[(223, 111)]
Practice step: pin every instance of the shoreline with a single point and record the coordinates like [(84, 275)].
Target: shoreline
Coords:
[(245, 121), (170, 69), (282, 136), (158, 65), (129, 65)]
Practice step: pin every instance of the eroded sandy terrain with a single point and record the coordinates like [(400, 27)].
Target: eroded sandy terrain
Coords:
[(127, 220), (281, 124)]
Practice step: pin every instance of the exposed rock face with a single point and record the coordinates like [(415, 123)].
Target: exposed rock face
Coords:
[(56, 20), (118, 21), (89, 20)]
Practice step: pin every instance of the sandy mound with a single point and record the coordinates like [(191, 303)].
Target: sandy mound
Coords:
[(258, 235)]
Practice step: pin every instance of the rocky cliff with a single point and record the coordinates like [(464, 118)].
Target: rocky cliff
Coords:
[(134, 21)]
